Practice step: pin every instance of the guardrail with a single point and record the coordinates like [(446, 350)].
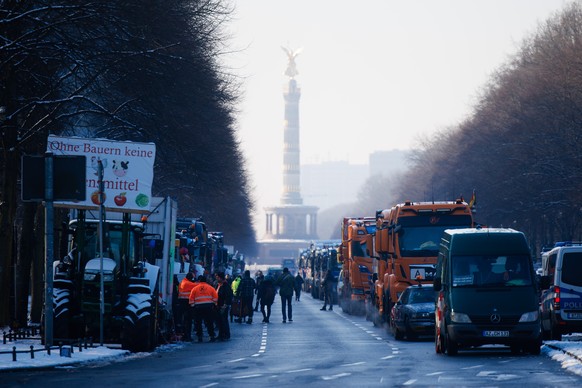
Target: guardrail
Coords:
[(66, 347)]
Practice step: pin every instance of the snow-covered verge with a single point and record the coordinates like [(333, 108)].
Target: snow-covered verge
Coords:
[(43, 360)]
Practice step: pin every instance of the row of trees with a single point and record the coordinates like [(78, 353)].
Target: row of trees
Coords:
[(122, 70), (521, 147)]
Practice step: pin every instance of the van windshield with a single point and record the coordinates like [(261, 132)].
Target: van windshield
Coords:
[(491, 271)]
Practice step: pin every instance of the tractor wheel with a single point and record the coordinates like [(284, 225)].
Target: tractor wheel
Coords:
[(137, 323), (61, 312)]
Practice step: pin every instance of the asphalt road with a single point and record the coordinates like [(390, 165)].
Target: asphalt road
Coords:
[(320, 348)]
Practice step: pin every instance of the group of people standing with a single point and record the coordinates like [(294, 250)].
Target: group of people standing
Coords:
[(265, 289), (199, 301), (213, 302)]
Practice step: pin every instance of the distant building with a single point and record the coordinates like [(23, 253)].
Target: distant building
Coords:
[(388, 162), (332, 183)]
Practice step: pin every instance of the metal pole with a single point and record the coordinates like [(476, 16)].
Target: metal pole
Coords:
[(101, 218), (48, 243)]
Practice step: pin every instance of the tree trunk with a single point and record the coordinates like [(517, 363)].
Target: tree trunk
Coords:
[(26, 256), (37, 285)]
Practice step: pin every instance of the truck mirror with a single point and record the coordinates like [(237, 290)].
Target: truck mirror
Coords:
[(437, 284)]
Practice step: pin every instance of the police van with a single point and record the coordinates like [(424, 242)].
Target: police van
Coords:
[(486, 291), (561, 294)]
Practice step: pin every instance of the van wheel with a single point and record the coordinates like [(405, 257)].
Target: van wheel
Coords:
[(451, 347), (534, 348), (555, 333), (546, 335)]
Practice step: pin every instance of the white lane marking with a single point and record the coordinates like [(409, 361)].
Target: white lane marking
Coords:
[(473, 367), (299, 370), (355, 363), (410, 382), (434, 373), (256, 354), (333, 377), (387, 357), (247, 376), (209, 385), (237, 360), (396, 352), (395, 348), (379, 338)]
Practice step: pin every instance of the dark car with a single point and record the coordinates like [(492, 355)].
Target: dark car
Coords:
[(413, 314)]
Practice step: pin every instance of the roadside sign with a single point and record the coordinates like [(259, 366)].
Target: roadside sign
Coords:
[(128, 170)]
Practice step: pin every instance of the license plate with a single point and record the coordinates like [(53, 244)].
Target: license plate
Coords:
[(574, 315), (496, 333)]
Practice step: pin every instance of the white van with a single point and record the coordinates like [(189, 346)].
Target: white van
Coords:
[(561, 290)]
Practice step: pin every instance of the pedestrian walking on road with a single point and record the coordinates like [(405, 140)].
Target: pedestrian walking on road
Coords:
[(298, 286), (246, 291), (286, 284), (268, 291), (259, 277), (328, 283)]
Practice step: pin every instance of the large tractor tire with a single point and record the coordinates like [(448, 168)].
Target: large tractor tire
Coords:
[(139, 326), (62, 302)]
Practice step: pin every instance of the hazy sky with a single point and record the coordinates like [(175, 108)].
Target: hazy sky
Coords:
[(374, 74)]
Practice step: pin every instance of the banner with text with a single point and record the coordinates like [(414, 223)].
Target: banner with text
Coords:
[(128, 172)]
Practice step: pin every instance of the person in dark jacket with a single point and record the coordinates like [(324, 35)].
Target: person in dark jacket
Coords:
[(286, 284), (328, 283), (223, 305), (267, 291), (298, 286), (259, 277), (246, 291)]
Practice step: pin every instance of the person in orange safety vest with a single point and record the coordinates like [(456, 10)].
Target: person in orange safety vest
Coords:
[(185, 319), (203, 300)]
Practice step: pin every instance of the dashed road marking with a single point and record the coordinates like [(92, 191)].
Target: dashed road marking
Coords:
[(410, 382), (434, 373), (247, 376), (473, 367), (355, 363), (333, 377), (299, 370), (237, 360), (387, 357)]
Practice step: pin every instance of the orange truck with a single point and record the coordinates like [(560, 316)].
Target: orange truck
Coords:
[(356, 258), (407, 244)]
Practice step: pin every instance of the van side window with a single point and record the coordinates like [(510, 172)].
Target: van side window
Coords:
[(572, 268)]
